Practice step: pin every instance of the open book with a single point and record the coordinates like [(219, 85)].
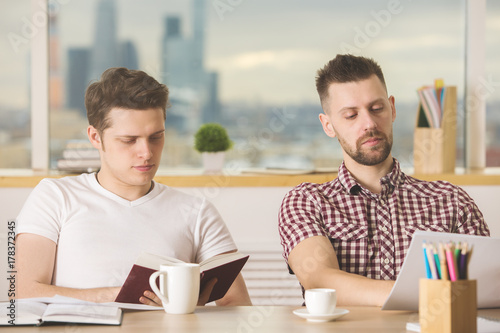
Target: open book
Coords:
[(224, 267), (38, 313)]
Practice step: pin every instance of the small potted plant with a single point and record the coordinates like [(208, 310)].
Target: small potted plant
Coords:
[(212, 141)]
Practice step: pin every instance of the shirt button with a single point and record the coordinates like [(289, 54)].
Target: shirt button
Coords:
[(384, 229), (386, 261)]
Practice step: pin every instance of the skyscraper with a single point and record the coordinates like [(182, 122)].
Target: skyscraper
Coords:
[(78, 67), (177, 57), (104, 52), (194, 93), (128, 55), (87, 64), (211, 109), (198, 7)]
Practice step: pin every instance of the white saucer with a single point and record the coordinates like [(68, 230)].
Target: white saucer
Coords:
[(303, 313)]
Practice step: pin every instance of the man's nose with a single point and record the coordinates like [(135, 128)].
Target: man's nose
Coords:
[(368, 121), (144, 150)]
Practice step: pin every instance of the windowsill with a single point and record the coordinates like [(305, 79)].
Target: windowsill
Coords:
[(196, 178)]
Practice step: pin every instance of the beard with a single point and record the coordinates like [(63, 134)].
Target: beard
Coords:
[(372, 155)]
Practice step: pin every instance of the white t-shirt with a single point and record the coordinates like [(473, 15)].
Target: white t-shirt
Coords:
[(99, 235)]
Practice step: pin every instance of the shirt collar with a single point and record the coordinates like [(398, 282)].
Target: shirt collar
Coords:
[(395, 178), (347, 180)]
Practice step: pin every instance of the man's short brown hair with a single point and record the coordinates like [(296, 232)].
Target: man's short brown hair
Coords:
[(346, 68), (120, 87)]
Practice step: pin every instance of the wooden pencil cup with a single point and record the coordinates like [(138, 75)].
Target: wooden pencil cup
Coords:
[(448, 307), (434, 149)]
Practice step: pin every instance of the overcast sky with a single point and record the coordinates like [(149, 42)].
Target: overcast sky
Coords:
[(269, 51)]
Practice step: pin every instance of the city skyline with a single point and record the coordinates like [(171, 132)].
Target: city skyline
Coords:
[(254, 59)]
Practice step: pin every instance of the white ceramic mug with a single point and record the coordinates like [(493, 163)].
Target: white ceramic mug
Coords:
[(321, 300), (179, 287)]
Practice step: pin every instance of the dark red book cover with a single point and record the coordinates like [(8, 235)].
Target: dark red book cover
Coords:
[(135, 285), (138, 279), (225, 274)]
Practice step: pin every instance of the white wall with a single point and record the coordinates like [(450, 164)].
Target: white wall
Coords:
[(251, 213)]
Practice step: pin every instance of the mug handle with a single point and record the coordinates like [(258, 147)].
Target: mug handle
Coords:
[(152, 283)]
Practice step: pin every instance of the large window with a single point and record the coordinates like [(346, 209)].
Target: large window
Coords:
[(17, 28), (249, 65)]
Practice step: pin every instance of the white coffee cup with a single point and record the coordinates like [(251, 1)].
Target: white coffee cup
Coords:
[(321, 300), (179, 287)]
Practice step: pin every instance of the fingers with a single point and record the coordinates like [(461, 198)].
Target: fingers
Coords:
[(150, 298), (207, 290)]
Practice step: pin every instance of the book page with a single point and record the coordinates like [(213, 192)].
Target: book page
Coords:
[(23, 313), (81, 310), (58, 299), (219, 260), (154, 261), (83, 313)]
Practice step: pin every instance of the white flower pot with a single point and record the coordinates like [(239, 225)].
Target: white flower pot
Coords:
[(213, 162)]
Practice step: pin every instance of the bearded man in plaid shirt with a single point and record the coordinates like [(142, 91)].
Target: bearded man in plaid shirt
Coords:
[(352, 233)]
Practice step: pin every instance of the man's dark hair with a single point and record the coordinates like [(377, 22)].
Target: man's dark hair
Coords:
[(346, 68), (120, 87)]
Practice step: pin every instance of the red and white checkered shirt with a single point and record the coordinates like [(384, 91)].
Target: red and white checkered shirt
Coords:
[(372, 232)]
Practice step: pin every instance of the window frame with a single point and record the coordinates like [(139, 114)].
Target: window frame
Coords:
[(39, 105)]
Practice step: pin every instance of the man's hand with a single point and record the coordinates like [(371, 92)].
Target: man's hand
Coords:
[(150, 298)]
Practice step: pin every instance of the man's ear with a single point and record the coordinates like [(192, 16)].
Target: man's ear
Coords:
[(327, 125), (94, 137), (392, 101)]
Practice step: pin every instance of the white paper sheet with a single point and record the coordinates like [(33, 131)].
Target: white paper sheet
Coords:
[(68, 300), (484, 267)]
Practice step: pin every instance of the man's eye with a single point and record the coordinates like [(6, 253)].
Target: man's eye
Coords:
[(128, 141), (351, 116)]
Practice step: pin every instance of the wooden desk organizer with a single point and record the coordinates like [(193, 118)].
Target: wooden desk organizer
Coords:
[(448, 307), (434, 149)]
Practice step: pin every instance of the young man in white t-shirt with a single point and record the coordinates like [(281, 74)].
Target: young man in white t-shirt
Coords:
[(79, 236)]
